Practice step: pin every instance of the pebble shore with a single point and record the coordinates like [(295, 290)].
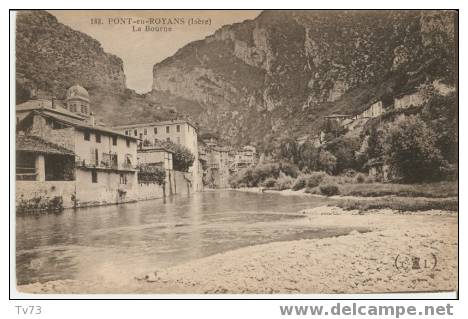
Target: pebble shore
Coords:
[(402, 252)]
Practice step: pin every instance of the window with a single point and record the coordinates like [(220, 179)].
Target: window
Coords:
[(87, 135), (155, 130), (123, 178), (168, 139), (128, 142), (135, 132), (178, 128), (94, 176), (114, 140), (98, 137), (126, 132), (145, 131), (167, 129)]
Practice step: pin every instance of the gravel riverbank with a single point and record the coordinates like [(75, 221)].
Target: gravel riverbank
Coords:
[(402, 252)]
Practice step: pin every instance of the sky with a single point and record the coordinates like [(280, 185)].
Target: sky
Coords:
[(140, 50)]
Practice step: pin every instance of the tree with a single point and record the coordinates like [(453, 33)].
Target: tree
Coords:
[(288, 150), (410, 149), (375, 143), (308, 157), (182, 158), (326, 162), (441, 115), (344, 150)]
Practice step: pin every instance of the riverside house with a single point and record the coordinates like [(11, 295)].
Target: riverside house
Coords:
[(64, 155), (181, 132)]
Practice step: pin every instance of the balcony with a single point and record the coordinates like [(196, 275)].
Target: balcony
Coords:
[(105, 165)]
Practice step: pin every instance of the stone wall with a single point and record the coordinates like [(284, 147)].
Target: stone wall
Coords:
[(107, 190), (64, 137), (150, 191), (182, 184), (28, 192)]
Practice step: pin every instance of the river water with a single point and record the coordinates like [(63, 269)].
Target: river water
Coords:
[(123, 241)]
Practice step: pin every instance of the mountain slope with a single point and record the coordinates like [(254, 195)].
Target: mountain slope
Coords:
[(278, 74), (50, 57)]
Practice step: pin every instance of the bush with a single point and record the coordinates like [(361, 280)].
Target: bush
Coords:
[(269, 182), (151, 174), (284, 182), (329, 189), (360, 178), (300, 182), (289, 169), (315, 178), (257, 175)]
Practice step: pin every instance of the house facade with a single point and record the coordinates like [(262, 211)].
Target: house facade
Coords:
[(181, 132), (99, 162), (218, 161), (159, 157)]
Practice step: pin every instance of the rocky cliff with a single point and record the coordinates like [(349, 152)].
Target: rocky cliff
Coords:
[(278, 74), (50, 57), (253, 81)]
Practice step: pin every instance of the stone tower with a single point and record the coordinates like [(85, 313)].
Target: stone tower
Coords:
[(78, 100)]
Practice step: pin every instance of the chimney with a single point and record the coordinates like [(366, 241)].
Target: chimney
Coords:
[(92, 119)]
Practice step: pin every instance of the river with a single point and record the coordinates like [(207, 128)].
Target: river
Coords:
[(123, 241)]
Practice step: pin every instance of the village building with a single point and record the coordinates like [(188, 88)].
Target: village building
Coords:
[(217, 175), (242, 158), (181, 132), (158, 156), (83, 162)]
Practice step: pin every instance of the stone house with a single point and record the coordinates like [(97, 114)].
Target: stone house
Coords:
[(181, 132), (160, 157), (102, 160), (218, 161)]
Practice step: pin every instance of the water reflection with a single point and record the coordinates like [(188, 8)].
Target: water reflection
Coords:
[(116, 242)]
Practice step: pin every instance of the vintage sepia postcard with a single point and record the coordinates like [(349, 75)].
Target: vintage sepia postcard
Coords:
[(235, 151)]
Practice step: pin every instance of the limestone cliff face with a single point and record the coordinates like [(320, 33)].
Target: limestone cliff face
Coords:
[(51, 57), (280, 72)]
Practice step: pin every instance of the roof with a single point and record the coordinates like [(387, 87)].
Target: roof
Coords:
[(43, 104), (154, 149), (409, 91), (337, 115), (77, 92), (83, 125), (160, 123), (34, 144)]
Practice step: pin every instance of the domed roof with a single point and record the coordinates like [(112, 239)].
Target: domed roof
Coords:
[(77, 92)]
